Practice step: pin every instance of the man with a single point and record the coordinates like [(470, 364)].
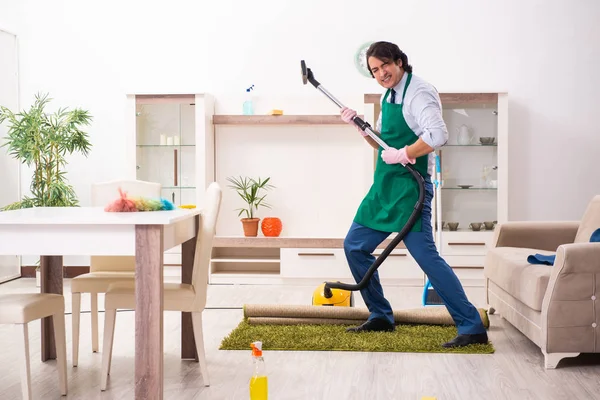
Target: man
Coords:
[(411, 124)]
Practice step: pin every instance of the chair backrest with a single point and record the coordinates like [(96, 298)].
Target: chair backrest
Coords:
[(204, 243), (103, 193), (589, 222)]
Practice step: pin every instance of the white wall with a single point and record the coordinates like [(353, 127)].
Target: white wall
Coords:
[(545, 54)]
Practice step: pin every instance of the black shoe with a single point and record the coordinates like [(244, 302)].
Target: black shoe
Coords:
[(465, 340), (373, 325)]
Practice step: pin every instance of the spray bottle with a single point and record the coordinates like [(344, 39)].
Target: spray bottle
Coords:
[(248, 107), (258, 383)]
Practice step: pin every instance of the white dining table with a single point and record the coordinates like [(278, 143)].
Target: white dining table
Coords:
[(54, 232)]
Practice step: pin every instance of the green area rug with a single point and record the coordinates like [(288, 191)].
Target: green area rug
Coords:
[(413, 338)]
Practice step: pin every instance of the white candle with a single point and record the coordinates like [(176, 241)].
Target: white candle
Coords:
[(170, 141)]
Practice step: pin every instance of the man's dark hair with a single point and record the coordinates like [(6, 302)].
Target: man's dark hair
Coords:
[(386, 51)]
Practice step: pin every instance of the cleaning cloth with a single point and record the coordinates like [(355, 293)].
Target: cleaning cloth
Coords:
[(549, 260)]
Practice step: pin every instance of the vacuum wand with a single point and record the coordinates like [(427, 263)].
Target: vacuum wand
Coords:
[(307, 76)]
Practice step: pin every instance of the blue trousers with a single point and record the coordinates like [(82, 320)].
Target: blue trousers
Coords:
[(361, 241)]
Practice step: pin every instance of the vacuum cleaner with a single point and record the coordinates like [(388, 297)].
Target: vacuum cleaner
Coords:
[(326, 288)]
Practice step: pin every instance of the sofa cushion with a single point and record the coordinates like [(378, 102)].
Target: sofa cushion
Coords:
[(508, 268), (590, 221)]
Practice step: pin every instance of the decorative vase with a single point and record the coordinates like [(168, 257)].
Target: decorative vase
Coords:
[(271, 226), (250, 226)]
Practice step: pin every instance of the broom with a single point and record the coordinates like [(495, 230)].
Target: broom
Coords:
[(430, 296)]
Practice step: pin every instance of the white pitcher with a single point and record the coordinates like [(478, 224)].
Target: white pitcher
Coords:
[(464, 135)]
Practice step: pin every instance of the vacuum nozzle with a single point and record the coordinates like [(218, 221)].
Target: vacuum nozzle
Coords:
[(307, 75), (304, 72)]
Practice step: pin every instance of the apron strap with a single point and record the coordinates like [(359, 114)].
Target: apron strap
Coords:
[(385, 96), (406, 87)]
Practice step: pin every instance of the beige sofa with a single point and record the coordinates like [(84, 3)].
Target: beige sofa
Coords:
[(557, 307)]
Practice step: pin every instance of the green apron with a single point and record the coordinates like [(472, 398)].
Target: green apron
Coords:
[(394, 192)]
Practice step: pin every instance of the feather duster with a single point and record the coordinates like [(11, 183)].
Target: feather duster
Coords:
[(135, 204), (122, 204)]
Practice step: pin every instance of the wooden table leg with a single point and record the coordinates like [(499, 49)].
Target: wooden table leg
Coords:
[(149, 312), (188, 345), (51, 277)]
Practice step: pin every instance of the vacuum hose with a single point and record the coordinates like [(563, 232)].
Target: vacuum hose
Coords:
[(307, 76)]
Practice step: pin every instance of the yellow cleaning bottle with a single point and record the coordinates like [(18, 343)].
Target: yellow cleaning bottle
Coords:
[(259, 389)]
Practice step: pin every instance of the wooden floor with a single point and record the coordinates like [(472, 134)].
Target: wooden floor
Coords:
[(514, 372)]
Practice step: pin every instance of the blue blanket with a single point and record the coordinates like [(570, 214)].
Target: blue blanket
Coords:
[(549, 260)]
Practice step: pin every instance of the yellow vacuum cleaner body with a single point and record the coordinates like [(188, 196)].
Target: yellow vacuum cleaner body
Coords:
[(340, 298)]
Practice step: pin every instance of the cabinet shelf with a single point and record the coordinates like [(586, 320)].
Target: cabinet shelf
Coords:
[(245, 260), (278, 120), (179, 187), (246, 273), (470, 145), (166, 145), (283, 242), (461, 230), (473, 189), (449, 98)]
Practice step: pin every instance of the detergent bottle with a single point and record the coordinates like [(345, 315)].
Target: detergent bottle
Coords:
[(258, 383), (248, 106)]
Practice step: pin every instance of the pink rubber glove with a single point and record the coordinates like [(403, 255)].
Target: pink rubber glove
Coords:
[(395, 156), (347, 115)]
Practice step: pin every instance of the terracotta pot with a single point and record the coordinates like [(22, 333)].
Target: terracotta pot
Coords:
[(250, 226), (271, 226)]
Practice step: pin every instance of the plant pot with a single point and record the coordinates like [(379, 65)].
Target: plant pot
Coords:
[(250, 226), (271, 226)]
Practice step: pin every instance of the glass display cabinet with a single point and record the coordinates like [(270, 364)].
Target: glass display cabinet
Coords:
[(173, 138), (165, 146), (473, 166), (471, 196)]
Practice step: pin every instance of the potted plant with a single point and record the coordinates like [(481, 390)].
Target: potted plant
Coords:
[(249, 190), (42, 141)]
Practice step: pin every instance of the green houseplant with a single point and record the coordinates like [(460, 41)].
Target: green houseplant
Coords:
[(249, 190), (42, 141)]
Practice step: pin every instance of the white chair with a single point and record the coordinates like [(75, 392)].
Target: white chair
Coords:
[(20, 309), (177, 297), (105, 270)]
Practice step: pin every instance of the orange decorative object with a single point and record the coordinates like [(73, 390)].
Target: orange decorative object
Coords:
[(271, 226)]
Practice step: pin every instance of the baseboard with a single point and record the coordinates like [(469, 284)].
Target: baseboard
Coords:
[(71, 271)]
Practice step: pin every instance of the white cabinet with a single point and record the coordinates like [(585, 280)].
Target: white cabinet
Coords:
[(322, 169), (464, 243), (174, 146), (319, 263), (473, 196), (474, 175), (294, 260)]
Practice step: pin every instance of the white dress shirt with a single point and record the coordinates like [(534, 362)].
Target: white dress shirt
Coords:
[(423, 113)]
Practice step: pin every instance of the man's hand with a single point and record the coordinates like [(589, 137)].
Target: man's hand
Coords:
[(395, 156), (348, 115)]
